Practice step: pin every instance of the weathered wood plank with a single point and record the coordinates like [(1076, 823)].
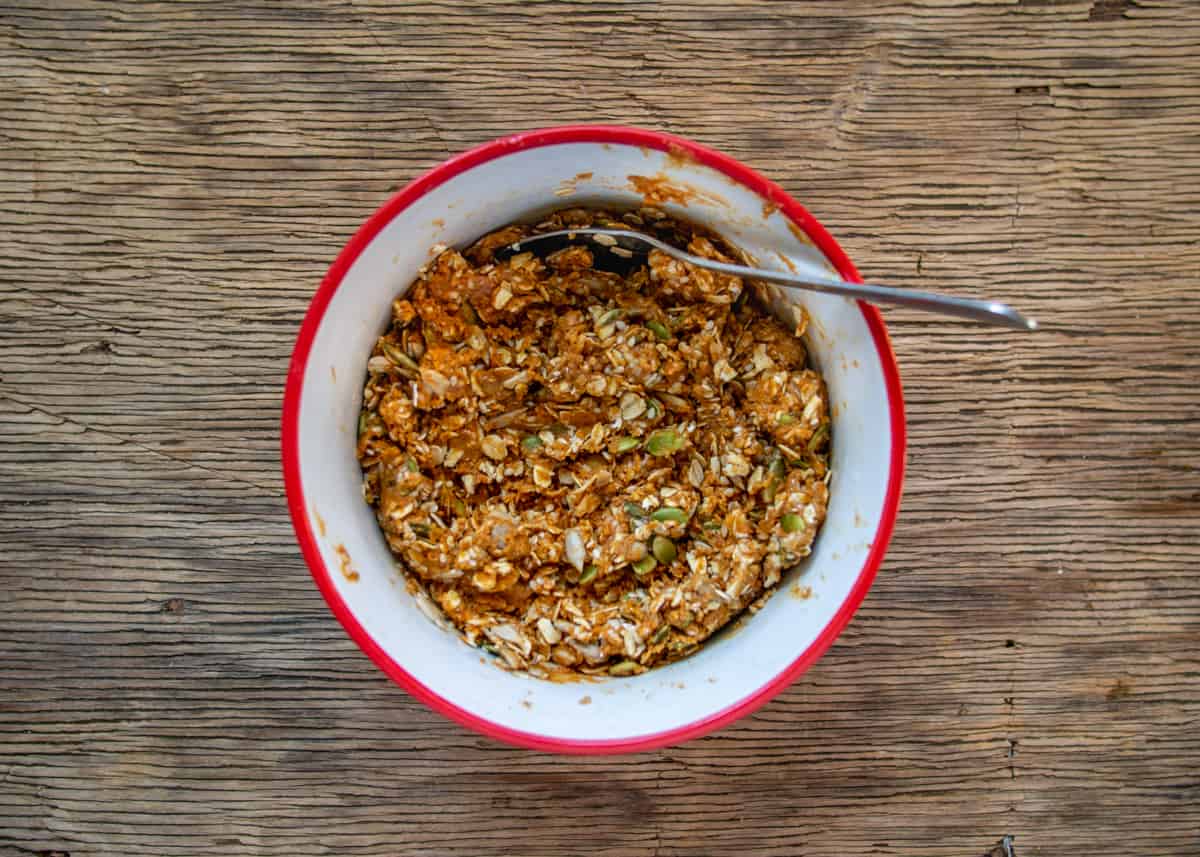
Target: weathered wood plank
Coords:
[(174, 180)]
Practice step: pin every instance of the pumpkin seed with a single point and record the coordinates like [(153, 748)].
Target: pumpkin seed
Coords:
[(460, 508), (609, 317), (623, 668), (588, 575), (777, 470), (818, 438), (633, 510), (792, 523), (660, 635), (711, 526), (468, 314), (670, 513), (419, 529), (785, 419), (659, 329), (664, 442), (624, 444), (644, 565), (664, 549), (530, 443), (410, 465)]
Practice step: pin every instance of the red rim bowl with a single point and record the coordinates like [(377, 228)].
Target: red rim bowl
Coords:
[(616, 135)]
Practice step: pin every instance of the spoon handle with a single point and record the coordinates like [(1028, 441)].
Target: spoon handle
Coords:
[(988, 312)]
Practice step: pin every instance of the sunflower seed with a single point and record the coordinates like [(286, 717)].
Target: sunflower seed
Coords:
[(573, 546), (632, 406)]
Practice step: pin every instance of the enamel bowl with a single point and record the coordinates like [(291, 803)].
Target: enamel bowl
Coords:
[(521, 177)]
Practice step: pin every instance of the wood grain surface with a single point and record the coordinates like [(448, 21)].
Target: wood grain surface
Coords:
[(176, 177)]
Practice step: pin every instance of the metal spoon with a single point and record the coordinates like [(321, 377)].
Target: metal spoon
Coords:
[(624, 241)]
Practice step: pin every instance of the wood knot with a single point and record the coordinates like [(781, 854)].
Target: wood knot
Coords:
[(174, 605), (1109, 10), (1120, 690)]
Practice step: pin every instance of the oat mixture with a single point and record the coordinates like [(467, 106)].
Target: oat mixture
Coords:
[(591, 471)]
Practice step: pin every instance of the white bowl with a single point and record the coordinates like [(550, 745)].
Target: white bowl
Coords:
[(512, 179)]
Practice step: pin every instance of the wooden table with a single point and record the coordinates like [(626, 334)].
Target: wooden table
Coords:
[(176, 178)]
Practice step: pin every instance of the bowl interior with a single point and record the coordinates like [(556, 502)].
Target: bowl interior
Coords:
[(762, 652)]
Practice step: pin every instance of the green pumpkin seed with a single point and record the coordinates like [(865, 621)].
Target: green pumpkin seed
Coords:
[(623, 668), (664, 442), (421, 530), (644, 565), (468, 314), (660, 635), (792, 523), (460, 508), (711, 526), (410, 465), (670, 513), (659, 329), (633, 510), (785, 419), (489, 648), (588, 574), (664, 549), (818, 438), (529, 444), (609, 317), (363, 422), (624, 444), (777, 471)]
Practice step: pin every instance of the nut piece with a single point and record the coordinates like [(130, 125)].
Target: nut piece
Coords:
[(547, 631), (494, 447)]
